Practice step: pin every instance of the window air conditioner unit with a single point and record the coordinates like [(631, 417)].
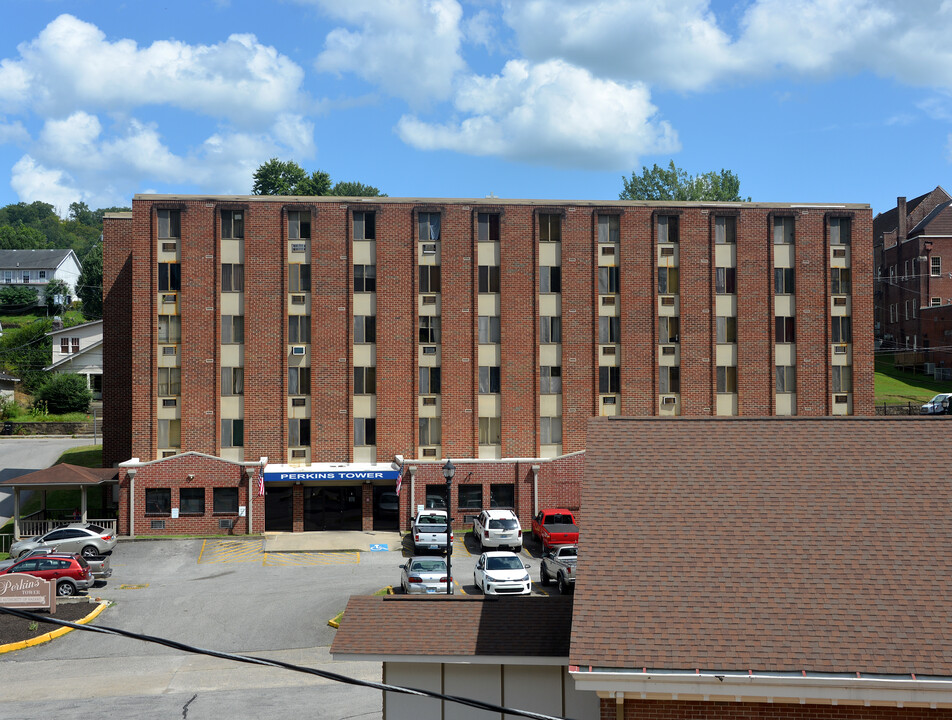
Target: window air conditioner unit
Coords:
[(429, 299), (157, 525), (169, 298), (840, 399), (298, 350), (839, 301), (225, 523), (429, 248), (667, 252), (608, 350), (168, 247), (667, 300), (298, 402), (298, 247), (298, 453), (429, 452), (610, 250), (608, 300), (610, 400), (298, 299), (168, 402), (169, 349), (169, 453), (429, 350), (669, 401), (839, 349), (429, 401), (839, 252), (668, 350)]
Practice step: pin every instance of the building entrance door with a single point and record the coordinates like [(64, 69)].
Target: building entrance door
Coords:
[(332, 508), (277, 509)]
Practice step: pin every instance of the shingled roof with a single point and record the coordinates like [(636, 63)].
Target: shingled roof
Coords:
[(32, 259), (65, 474), (766, 545), (466, 626)]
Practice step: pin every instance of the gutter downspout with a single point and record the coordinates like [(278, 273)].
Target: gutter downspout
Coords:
[(412, 470), (131, 472), (535, 489)]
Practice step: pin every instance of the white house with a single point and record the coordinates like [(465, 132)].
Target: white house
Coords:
[(37, 267), (78, 349)]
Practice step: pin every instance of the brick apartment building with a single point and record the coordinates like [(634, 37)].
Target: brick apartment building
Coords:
[(910, 242), (308, 341)]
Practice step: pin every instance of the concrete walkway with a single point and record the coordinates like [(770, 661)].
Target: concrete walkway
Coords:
[(329, 541)]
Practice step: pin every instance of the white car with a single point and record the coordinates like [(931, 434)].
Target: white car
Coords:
[(502, 573), (424, 576), (498, 528), (937, 405)]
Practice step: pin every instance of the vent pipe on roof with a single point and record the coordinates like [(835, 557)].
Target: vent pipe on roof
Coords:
[(901, 211)]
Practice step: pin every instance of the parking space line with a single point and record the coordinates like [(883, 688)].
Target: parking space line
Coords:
[(312, 558)]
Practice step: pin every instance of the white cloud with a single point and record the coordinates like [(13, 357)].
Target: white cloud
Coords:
[(71, 66), (13, 132), (549, 114), (480, 29), (32, 181), (409, 48)]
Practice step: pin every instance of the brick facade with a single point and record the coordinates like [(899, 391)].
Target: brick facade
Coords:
[(682, 710)]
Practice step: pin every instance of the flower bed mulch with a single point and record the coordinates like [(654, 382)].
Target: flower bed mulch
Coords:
[(14, 629)]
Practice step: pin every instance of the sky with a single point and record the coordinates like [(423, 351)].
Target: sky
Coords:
[(825, 101)]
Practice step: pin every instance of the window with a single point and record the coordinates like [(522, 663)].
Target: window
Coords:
[(670, 379), (490, 431), (170, 277), (299, 432), (299, 381), (365, 278), (365, 226), (26, 276), (170, 433), (726, 329), (232, 329), (429, 380), (609, 380), (470, 497), (668, 229), (299, 329), (299, 277), (365, 328), (550, 227), (840, 231), (232, 433), (842, 379), (192, 501), (232, 278), (607, 280), (429, 431), (907, 309), (488, 379), (488, 278), (935, 302), (41, 274), (669, 330), (429, 225), (839, 281), (429, 278), (69, 345), (785, 329), (299, 225), (783, 230), (609, 330), (550, 329), (725, 280), (786, 378), (935, 266), (170, 382), (429, 329), (609, 228), (725, 230), (551, 428), (488, 329), (487, 227), (905, 270), (170, 329), (365, 380), (8, 276), (550, 279), (232, 224), (232, 381), (783, 281), (158, 501), (502, 495), (170, 223), (550, 380), (667, 281), (842, 329), (726, 379), (225, 500)]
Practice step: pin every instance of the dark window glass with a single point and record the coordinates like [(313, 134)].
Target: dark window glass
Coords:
[(232, 224), (488, 379), (299, 432), (783, 281), (726, 379), (608, 228), (365, 226), (225, 500), (842, 329), (785, 329), (158, 501), (429, 380), (668, 228), (299, 329), (488, 278), (170, 277), (840, 281), (429, 226), (299, 381), (429, 329), (550, 279), (607, 280), (470, 497), (170, 223), (365, 328), (365, 278), (365, 380), (488, 227), (550, 227), (502, 495), (232, 278), (725, 230), (670, 379), (725, 280), (726, 328), (429, 278), (299, 225), (299, 277), (669, 330), (550, 380), (609, 379), (192, 501), (667, 281), (609, 329)]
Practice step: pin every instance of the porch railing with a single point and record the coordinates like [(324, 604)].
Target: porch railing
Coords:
[(31, 527)]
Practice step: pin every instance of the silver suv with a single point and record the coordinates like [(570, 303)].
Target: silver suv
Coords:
[(498, 528)]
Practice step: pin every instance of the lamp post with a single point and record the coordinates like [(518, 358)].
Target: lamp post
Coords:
[(449, 470)]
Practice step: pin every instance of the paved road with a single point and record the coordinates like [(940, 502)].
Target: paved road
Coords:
[(226, 595), (22, 455)]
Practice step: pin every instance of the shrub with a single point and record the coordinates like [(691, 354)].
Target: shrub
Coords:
[(16, 298), (64, 393)]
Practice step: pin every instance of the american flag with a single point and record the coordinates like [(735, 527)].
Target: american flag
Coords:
[(260, 482)]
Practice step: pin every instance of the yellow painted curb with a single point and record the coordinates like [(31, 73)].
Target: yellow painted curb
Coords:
[(46, 637), (335, 624)]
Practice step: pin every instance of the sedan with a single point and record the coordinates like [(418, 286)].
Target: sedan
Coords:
[(502, 573), (83, 538), (424, 576)]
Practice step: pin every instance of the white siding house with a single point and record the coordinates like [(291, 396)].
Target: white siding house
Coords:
[(78, 349), (37, 267)]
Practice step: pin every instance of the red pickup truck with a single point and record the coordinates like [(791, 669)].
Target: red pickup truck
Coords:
[(555, 527)]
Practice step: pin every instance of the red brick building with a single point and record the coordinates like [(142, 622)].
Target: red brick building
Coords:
[(315, 331)]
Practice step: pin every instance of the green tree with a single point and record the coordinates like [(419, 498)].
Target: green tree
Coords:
[(25, 351), (18, 298), (57, 295), (21, 237), (80, 212), (674, 183), (89, 285), (64, 393), (286, 177)]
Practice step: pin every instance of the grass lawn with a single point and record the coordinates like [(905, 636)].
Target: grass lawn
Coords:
[(899, 387), (70, 317)]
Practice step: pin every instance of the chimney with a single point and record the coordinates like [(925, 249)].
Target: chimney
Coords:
[(901, 211)]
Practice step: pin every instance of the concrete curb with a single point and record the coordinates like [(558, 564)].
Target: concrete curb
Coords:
[(59, 632)]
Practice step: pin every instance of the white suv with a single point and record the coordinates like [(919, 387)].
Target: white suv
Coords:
[(498, 528)]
